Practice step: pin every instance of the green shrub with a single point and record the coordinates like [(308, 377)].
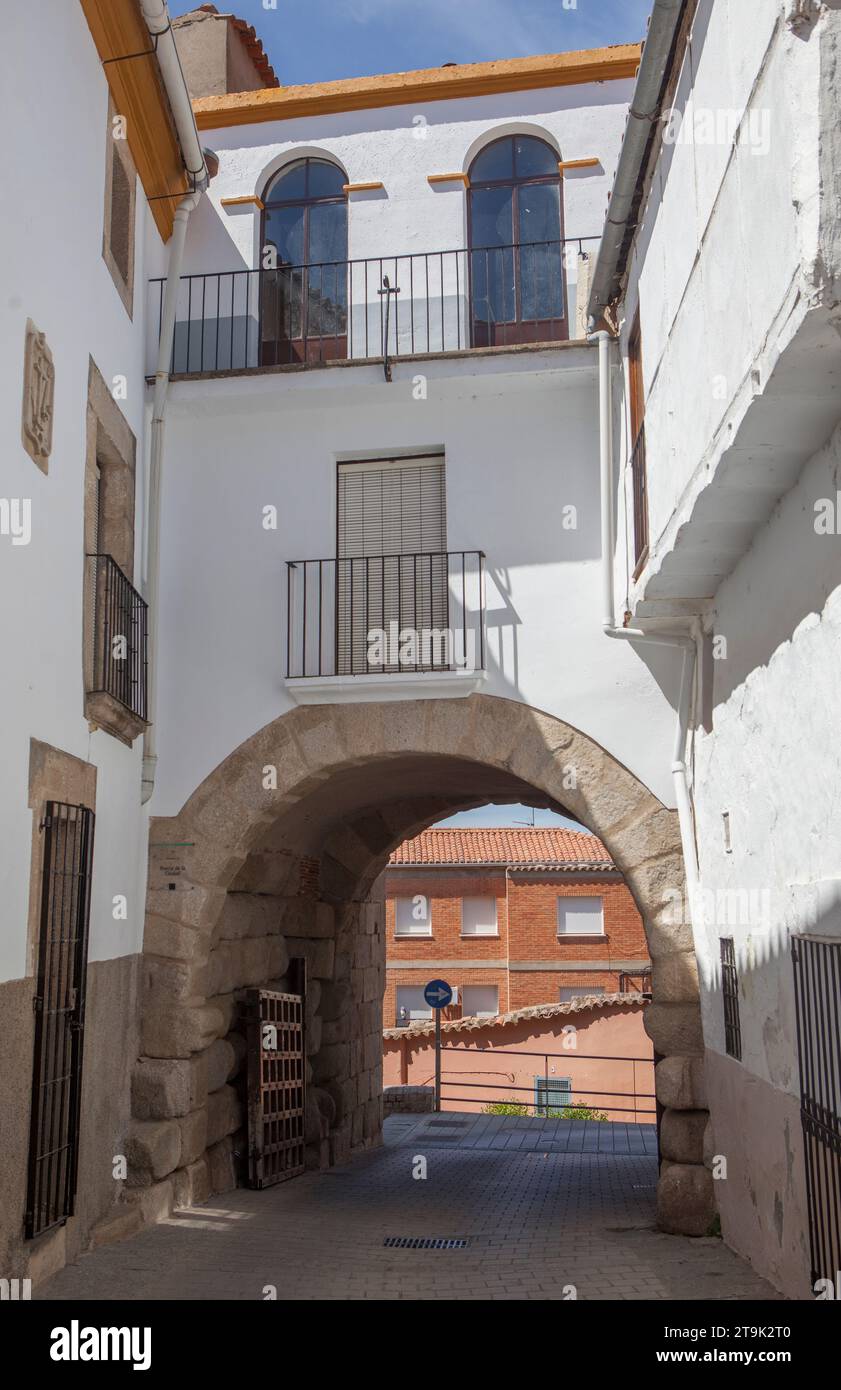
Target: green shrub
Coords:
[(506, 1107)]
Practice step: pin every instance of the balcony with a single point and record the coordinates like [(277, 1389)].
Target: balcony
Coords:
[(385, 626), (378, 309), (118, 625)]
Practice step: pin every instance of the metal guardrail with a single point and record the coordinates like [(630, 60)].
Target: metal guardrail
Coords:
[(379, 307), (120, 635), (386, 614), (582, 1097)]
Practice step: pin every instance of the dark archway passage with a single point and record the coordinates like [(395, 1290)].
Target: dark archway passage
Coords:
[(283, 847)]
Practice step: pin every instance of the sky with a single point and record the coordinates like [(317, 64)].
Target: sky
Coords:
[(509, 815), (321, 40)]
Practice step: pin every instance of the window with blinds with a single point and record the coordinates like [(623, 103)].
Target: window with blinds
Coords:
[(391, 561)]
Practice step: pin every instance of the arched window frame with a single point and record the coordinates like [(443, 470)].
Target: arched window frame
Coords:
[(518, 328), (303, 304)]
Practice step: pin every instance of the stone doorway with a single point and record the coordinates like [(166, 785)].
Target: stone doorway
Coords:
[(279, 853)]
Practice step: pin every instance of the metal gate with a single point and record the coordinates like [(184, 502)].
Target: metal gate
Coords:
[(276, 1081), (59, 1006), (817, 993)]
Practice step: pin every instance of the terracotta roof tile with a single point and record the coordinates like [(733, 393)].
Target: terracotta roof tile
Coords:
[(582, 1004), (252, 42), (541, 847)]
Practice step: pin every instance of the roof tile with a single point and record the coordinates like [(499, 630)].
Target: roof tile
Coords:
[(539, 847)]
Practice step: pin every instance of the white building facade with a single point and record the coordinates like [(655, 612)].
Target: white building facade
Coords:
[(325, 406), (723, 283)]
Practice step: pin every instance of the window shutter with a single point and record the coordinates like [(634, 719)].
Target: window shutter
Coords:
[(391, 564)]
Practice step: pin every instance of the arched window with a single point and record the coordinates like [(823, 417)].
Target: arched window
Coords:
[(304, 259), (516, 243)]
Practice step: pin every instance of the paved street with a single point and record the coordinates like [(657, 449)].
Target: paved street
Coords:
[(535, 1219)]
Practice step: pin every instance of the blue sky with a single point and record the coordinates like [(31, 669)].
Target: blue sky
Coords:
[(508, 815), (319, 40)]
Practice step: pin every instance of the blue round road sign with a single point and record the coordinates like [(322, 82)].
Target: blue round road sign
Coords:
[(438, 994)]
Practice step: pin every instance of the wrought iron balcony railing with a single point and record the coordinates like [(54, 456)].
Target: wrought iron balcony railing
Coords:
[(119, 635), (386, 614), (382, 307)]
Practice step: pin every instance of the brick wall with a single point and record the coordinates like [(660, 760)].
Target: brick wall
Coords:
[(527, 934)]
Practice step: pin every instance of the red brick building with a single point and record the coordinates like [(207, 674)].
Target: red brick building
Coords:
[(511, 917)]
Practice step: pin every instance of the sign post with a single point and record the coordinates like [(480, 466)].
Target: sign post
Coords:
[(438, 994)]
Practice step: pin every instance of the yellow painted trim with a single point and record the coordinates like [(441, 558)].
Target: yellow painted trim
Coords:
[(578, 164), (246, 198), (428, 84), (449, 178), (361, 187), (117, 29)]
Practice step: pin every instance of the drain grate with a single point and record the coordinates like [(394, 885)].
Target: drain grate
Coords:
[(423, 1243)]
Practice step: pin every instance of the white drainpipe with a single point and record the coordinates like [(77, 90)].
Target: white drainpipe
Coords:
[(683, 641), (156, 15)]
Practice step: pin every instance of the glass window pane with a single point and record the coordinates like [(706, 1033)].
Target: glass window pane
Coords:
[(533, 157), (495, 162), (325, 180), (580, 917), (327, 316), (478, 917), (541, 276), (491, 217), (539, 206), (328, 233), (412, 916), (284, 229), (289, 183)]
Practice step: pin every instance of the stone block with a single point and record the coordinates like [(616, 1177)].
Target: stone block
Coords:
[(685, 1200), (312, 1037), (682, 1135), (319, 955), (154, 1146), (674, 978), (224, 1114), (331, 1063), (680, 1083), (192, 1184), (155, 1202), (164, 1088), (220, 1162), (174, 941), (182, 982), (675, 1028), (180, 1030), (221, 1061), (193, 1129)]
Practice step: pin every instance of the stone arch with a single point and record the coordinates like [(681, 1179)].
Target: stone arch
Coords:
[(281, 848)]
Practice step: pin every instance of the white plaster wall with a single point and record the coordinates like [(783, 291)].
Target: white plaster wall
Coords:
[(54, 189), (399, 147), (729, 236), (520, 441), (769, 757)]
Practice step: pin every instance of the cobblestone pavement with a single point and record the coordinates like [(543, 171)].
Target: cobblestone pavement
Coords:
[(539, 1213)]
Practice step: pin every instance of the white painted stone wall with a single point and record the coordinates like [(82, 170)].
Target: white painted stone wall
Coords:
[(735, 273), (53, 272), (519, 436)]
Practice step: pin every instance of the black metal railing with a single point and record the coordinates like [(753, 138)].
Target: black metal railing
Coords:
[(545, 1093), (379, 307), (119, 620), (386, 614), (817, 998), (59, 1006)]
